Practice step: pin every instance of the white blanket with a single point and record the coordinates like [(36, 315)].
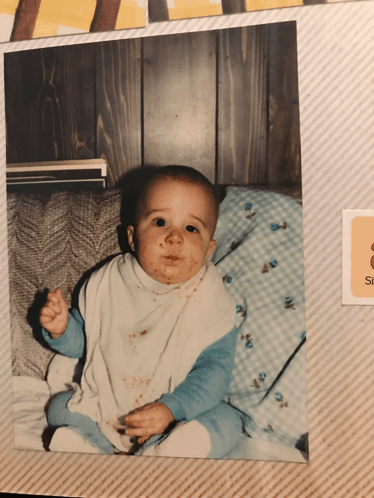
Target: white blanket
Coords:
[(143, 337), (30, 396)]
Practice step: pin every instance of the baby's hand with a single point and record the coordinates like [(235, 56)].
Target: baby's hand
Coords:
[(148, 420), (54, 315)]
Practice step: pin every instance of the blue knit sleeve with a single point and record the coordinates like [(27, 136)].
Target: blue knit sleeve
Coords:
[(72, 341), (207, 383)]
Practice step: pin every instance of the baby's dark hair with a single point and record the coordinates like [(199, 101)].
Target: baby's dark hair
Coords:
[(183, 173)]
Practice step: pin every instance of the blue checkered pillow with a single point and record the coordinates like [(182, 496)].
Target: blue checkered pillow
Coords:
[(260, 256)]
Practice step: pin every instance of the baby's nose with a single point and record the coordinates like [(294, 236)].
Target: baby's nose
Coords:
[(174, 237)]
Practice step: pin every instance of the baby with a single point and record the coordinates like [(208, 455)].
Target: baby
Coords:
[(157, 329)]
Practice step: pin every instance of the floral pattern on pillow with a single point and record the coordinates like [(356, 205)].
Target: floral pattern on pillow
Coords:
[(260, 256)]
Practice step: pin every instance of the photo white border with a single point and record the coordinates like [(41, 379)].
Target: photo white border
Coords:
[(336, 88)]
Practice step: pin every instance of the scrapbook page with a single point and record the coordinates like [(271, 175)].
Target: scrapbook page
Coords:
[(283, 119)]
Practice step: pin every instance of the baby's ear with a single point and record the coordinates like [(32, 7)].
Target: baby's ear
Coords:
[(131, 237), (211, 248)]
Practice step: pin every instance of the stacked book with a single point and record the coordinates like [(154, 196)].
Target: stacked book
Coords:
[(81, 173)]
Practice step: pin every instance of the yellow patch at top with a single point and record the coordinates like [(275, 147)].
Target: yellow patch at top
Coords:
[(271, 4), (8, 6), (68, 13), (79, 14), (43, 29), (362, 256), (200, 8), (194, 8), (130, 15)]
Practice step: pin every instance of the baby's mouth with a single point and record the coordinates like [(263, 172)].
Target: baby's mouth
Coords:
[(172, 258)]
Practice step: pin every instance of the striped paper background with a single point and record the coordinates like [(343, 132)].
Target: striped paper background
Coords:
[(336, 73)]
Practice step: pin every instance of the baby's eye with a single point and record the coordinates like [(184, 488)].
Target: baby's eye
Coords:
[(191, 229), (160, 222)]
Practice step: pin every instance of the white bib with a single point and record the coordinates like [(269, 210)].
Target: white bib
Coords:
[(143, 337)]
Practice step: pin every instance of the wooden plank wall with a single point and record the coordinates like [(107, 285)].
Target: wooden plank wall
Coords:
[(225, 102), (180, 101), (242, 106), (118, 106), (50, 104), (284, 163)]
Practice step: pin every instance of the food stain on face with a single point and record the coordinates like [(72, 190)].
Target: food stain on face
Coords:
[(143, 332)]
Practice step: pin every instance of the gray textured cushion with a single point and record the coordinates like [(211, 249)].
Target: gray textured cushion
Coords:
[(52, 240)]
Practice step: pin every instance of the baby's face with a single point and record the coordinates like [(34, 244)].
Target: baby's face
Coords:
[(173, 237)]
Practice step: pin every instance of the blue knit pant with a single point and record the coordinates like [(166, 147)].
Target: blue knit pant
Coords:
[(223, 423)]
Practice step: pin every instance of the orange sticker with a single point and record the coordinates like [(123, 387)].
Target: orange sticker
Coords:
[(362, 256)]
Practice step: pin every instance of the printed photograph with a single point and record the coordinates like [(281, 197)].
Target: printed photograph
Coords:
[(27, 19), (155, 237), (165, 10)]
